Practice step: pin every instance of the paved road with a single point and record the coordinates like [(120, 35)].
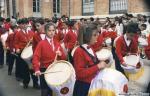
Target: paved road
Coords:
[(10, 87)]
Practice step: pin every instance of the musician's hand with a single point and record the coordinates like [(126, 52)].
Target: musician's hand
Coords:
[(124, 64), (37, 73), (101, 65), (18, 51), (58, 53)]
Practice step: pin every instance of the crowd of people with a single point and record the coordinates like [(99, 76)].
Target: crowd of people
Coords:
[(56, 38)]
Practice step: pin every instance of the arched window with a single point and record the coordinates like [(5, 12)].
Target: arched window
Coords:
[(118, 6), (88, 7)]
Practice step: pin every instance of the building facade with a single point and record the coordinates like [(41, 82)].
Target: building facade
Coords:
[(71, 8)]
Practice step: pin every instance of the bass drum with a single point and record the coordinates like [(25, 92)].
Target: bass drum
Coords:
[(108, 82)]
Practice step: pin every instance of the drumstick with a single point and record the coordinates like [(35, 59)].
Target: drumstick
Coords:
[(56, 55), (48, 72)]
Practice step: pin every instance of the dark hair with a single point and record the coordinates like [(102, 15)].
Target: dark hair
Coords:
[(46, 27), (40, 20), (88, 33), (144, 25), (132, 28)]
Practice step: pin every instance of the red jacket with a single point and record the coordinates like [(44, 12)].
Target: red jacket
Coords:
[(59, 36), (81, 61), (21, 39), (36, 40), (122, 49), (10, 42), (44, 54), (70, 39), (147, 48)]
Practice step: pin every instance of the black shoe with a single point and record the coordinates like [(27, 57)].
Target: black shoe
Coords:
[(25, 86), (36, 86), (18, 79), (9, 73)]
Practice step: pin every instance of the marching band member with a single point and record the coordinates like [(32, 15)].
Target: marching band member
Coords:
[(70, 39), (37, 37), (22, 38), (125, 45), (86, 63), (11, 49), (44, 55)]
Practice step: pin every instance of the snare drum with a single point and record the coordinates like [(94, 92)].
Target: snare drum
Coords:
[(60, 78), (105, 55), (134, 68), (27, 54), (108, 82)]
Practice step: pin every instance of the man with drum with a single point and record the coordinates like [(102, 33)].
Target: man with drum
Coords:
[(126, 45), (46, 52), (22, 38), (86, 63)]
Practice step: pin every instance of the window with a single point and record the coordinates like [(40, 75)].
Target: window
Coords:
[(88, 7), (56, 6), (36, 5), (8, 8), (14, 7), (118, 6)]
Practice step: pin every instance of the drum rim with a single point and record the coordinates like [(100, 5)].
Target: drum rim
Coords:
[(72, 70)]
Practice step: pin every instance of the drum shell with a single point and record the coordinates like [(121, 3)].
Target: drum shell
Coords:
[(68, 84), (27, 54)]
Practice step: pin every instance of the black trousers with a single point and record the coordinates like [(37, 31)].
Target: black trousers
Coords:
[(45, 89), (81, 88), (22, 70), (1, 54), (11, 59)]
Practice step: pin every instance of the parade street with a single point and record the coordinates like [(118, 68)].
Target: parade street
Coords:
[(11, 87)]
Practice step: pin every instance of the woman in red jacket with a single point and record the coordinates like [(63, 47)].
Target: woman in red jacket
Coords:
[(45, 54), (86, 63)]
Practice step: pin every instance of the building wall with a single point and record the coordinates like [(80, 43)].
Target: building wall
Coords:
[(46, 8), (76, 7), (101, 7), (137, 6)]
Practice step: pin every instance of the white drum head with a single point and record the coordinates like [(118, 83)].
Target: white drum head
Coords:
[(61, 71), (103, 54), (132, 60), (27, 53)]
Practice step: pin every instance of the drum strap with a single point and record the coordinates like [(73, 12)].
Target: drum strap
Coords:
[(93, 58)]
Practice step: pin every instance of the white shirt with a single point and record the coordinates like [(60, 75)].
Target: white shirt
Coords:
[(127, 41), (88, 49), (42, 36), (51, 42)]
